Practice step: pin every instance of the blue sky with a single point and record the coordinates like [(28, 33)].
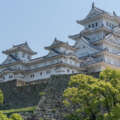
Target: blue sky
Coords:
[(39, 21)]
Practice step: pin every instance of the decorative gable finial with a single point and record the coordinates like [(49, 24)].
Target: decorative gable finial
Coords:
[(114, 13), (25, 42), (93, 4), (55, 39)]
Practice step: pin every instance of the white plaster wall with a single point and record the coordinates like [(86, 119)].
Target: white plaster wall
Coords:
[(111, 49), (8, 60), (95, 36), (109, 23), (65, 50), (55, 61), (80, 52), (99, 22), (23, 56), (7, 77), (52, 71), (112, 60)]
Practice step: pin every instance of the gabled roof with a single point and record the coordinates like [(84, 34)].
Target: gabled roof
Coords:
[(116, 30), (97, 12), (8, 70), (84, 48), (57, 44), (84, 40), (21, 47)]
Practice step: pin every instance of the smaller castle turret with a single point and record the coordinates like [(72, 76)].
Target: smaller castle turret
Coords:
[(21, 52)]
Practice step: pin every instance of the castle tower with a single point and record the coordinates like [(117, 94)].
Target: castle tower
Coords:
[(98, 44)]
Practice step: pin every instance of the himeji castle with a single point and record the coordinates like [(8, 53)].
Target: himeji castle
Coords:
[(96, 47)]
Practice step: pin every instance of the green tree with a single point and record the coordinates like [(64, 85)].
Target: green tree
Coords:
[(3, 116), (89, 98), (16, 116), (1, 97)]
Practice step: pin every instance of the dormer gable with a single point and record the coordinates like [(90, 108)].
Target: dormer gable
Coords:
[(58, 48), (21, 47), (21, 52), (94, 12), (84, 48), (97, 14)]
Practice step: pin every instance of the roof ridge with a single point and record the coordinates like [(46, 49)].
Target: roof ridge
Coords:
[(25, 43)]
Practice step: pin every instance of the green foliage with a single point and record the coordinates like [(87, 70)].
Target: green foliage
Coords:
[(3, 116), (27, 109), (16, 116), (42, 93), (41, 119), (90, 98), (1, 97)]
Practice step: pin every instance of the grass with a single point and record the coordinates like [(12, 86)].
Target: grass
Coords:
[(27, 109)]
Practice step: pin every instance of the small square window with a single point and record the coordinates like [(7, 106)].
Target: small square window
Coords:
[(96, 24), (40, 73), (68, 70), (10, 76), (32, 76), (89, 26)]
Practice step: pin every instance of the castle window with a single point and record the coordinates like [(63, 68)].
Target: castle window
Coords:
[(89, 26), (3, 78), (96, 24), (10, 76), (40, 73), (32, 76), (68, 70)]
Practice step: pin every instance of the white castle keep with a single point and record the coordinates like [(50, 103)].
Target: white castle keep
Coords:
[(96, 47)]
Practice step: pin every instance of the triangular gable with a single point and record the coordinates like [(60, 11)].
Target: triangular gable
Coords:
[(95, 11), (84, 48), (9, 60), (55, 42), (117, 30), (7, 70), (23, 46), (112, 39), (26, 46), (107, 37), (51, 53)]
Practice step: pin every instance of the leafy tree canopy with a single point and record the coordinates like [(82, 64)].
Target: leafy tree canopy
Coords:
[(16, 116), (1, 97), (90, 98)]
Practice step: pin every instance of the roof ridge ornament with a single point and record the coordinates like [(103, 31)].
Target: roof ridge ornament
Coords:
[(93, 4), (55, 39), (114, 13)]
